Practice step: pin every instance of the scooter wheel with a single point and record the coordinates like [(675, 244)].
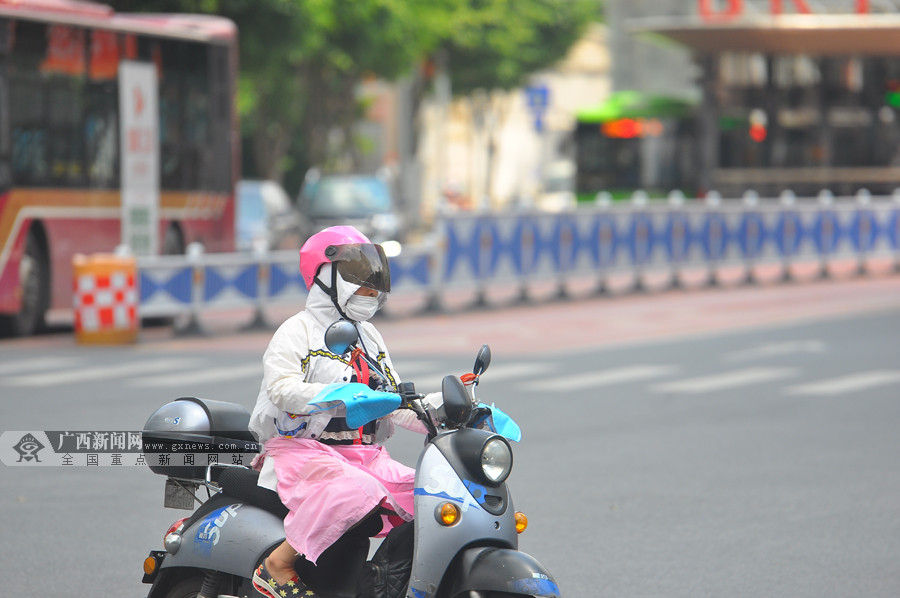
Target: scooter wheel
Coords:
[(186, 588)]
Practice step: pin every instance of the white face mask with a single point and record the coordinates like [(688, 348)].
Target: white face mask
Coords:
[(361, 308)]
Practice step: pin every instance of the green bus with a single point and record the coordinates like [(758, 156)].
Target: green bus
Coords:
[(636, 141)]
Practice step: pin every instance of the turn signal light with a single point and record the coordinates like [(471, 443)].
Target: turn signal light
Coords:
[(521, 522), (447, 514), (149, 565)]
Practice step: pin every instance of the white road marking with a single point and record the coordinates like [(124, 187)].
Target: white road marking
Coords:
[(605, 377), (202, 375), (850, 383), (725, 380), (776, 350), (41, 363), (106, 372)]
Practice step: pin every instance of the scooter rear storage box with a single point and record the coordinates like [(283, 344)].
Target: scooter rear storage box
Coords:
[(181, 438)]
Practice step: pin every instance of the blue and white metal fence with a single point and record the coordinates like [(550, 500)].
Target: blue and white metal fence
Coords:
[(479, 250)]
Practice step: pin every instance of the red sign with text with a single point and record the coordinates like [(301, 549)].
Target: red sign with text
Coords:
[(728, 10)]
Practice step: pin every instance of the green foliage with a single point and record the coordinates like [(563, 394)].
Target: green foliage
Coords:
[(500, 42), (302, 59)]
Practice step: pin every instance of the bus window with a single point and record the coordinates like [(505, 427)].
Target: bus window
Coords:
[(63, 69), (186, 145), (101, 135), (27, 128), (100, 125), (65, 141), (198, 145), (220, 94)]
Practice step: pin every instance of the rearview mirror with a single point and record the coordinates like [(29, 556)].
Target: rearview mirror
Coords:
[(482, 360), (340, 336)]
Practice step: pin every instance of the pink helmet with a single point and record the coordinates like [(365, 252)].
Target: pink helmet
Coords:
[(356, 258)]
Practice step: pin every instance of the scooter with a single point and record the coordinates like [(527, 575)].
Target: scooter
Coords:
[(463, 541)]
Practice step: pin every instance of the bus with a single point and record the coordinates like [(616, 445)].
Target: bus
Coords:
[(634, 141), (115, 129)]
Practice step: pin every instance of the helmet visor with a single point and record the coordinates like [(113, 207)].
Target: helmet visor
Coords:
[(364, 264)]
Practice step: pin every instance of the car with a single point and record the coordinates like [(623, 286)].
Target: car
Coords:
[(265, 220), (360, 200), (558, 192)]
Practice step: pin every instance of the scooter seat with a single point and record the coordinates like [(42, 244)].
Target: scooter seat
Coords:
[(242, 484)]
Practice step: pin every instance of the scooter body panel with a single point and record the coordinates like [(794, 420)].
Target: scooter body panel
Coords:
[(438, 545), (233, 537)]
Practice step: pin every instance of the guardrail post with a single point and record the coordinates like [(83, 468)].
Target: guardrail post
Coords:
[(638, 203), (750, 200), (788, 200), (676, 202), (713, 203), (483, 253), (603, 200), (523, 274), (194, 252), (826, 201), (263, 276), (863, 199), (437, 254), (566, 256)]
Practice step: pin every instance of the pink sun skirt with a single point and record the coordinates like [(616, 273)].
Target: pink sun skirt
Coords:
[(330, 488)]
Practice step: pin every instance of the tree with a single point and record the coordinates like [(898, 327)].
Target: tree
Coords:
[(301, 60), (496, 44)]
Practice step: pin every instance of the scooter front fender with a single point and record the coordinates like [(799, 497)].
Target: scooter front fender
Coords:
[(489, 569)]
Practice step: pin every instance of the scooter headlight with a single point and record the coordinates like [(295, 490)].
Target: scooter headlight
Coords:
[(496, 459)]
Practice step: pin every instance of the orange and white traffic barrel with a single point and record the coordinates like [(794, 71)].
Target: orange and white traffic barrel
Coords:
[(105, 299)]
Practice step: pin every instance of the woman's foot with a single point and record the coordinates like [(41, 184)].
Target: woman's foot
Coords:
[(279, 584)]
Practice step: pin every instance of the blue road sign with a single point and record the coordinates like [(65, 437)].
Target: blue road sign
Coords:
[(538, 99)]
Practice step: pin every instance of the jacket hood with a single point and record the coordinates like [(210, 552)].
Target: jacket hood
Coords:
[(318, 302)]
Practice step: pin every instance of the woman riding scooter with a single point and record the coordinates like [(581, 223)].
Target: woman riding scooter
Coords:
[(330, 476)]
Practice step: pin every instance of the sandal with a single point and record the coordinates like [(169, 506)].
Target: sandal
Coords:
[(266, 585)]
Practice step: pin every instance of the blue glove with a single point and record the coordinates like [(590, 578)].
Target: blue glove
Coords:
[(504, 424), (362, 404)]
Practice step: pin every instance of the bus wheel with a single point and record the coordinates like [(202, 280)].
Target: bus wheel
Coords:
[(34, 280)]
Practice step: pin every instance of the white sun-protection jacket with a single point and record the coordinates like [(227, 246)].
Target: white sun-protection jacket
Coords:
[(297, 366)]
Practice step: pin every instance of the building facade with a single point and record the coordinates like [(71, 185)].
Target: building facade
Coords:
[(798, 95)]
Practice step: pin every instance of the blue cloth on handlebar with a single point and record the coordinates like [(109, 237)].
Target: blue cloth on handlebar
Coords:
[(503, 424), (361, 403)]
